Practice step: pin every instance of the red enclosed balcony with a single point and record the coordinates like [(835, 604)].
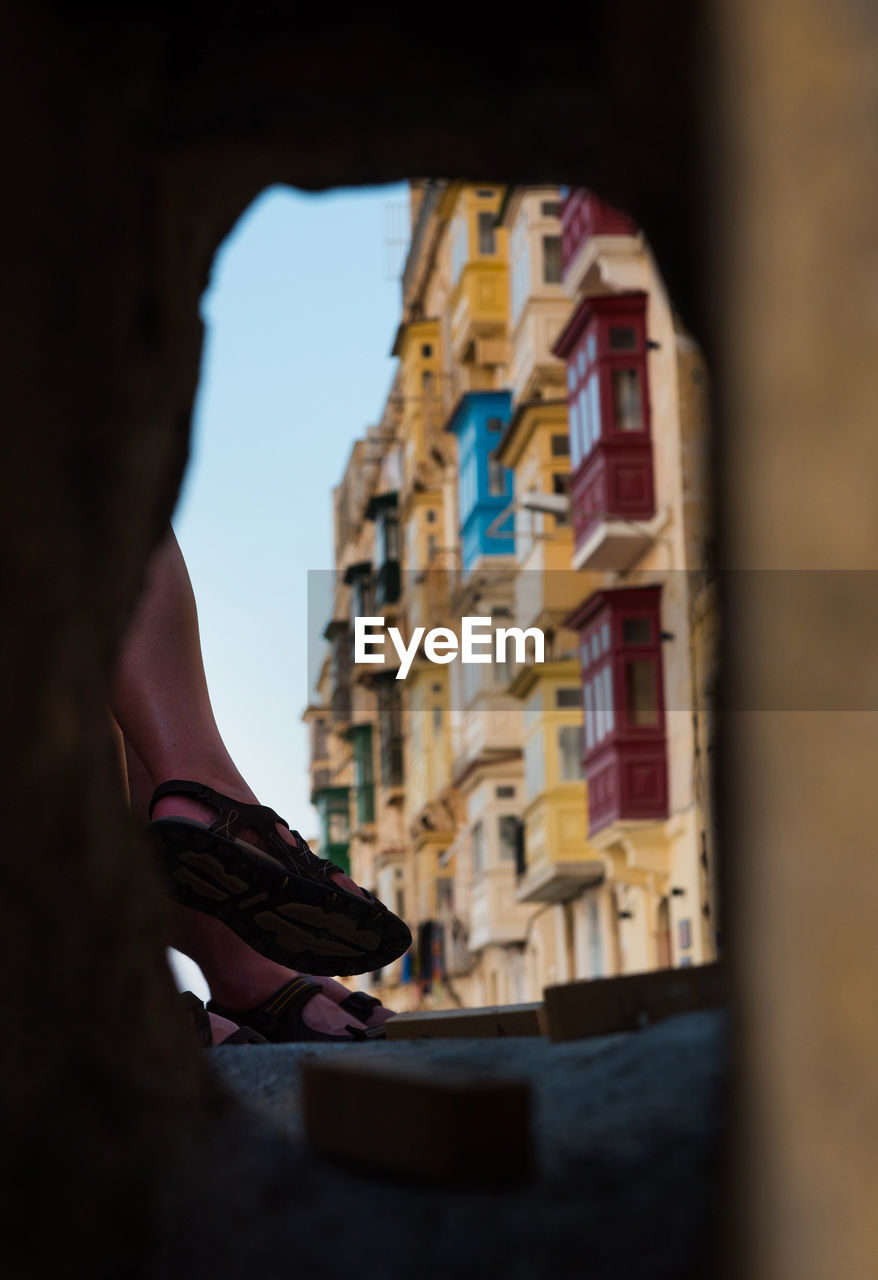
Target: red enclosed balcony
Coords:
[(625, 756), (612, 491), (583, 215)]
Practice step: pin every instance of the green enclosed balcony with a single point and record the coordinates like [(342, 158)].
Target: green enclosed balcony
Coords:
[(333, 807)]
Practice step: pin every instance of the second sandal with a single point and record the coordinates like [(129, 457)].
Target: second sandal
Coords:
[(283, 903), (279, 1018)]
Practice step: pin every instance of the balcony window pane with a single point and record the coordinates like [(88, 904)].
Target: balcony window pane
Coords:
[(588, 705), (586, 656), (552, 259), (595, 405), (496, 478), (390, 536), (600, 727), (605, 637), (571, 376), (339, 828), (580, 363), (595, 646), (608, 698), (507, 828), (459, 248), (591, 348), (627, 406), (561, 487), (585, 422), (478, 848), (575, 447), (486, 232), (636, 631), (534, 766), (641, 693), (570, 751), (623, 338), (444, 895)]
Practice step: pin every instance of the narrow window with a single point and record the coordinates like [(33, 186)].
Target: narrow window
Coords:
[(585, 421), (560, 446), (641, 693), (550, 208), (627, 406), (560, 487), (623, 337), (570, 751), (486, 233), (594, 399), (636, 631), (575, 447), (600, 719), (552, 259), (608, 698), (478, 848), (507, 830), (496, 478)]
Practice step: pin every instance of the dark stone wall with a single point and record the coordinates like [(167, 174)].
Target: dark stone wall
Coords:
[(133, 138)]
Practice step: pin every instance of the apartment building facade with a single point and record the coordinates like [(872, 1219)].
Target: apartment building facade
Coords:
[(542, 461)]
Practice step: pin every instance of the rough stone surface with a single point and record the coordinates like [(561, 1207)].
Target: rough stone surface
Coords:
[(628, 1133)]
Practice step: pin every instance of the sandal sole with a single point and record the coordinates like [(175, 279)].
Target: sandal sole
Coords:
[(313, 927)]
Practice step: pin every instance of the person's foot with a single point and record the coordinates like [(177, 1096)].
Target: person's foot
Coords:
[(241, 979), (186, 807), (320, 1014), (338, 992), (221, 1028)]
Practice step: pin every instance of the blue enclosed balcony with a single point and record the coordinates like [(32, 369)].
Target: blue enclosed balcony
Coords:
[(485, 486)]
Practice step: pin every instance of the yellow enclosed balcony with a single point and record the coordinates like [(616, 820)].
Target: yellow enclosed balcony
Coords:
[(479, 300), (555, 861), (478, 314)]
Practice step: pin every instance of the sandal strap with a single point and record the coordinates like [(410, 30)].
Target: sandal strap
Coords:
[(360, 1004), (288, 1000), (236, 815)]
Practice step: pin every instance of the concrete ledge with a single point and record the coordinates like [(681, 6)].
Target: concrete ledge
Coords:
[(490, 1023)]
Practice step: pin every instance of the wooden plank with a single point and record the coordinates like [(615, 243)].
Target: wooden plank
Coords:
[(416, 1121), (602, 1006), (483, 1024)]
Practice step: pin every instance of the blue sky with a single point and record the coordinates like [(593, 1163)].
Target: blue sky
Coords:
[(299, 320)]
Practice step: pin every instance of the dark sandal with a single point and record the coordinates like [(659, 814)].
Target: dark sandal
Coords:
[(283, 904), (279, 1018), (204, 1032), (360, 1005)]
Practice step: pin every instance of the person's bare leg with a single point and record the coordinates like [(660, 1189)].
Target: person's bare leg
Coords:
[(239, 977), (160, 699)]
